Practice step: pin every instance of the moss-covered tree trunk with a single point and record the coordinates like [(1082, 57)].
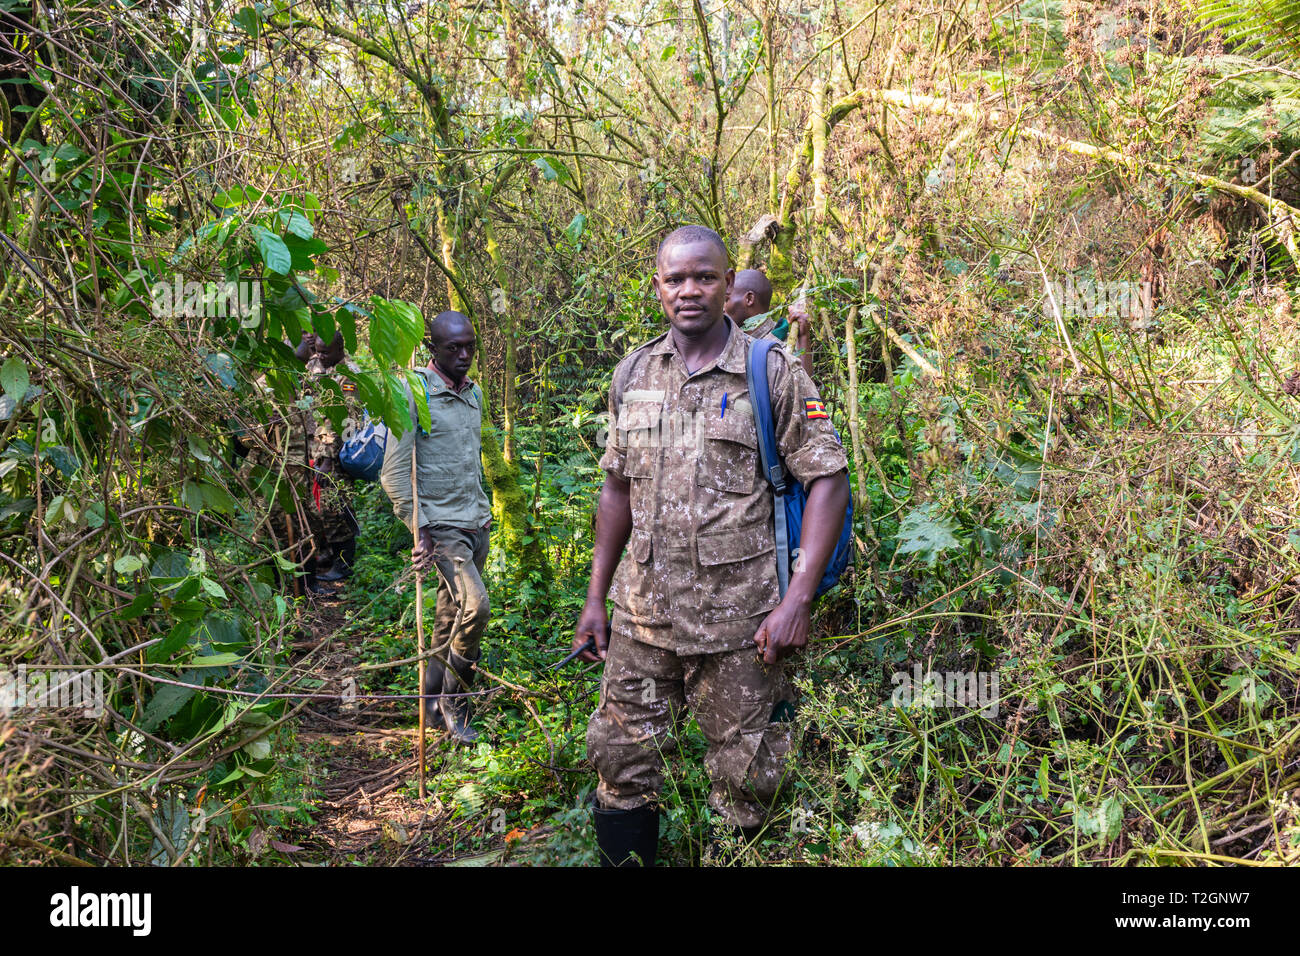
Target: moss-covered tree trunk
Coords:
[(509, 502)]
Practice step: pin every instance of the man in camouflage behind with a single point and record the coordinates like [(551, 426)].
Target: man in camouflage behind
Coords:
[(295, 464), (338, 523), (698, 620), (751, 296)]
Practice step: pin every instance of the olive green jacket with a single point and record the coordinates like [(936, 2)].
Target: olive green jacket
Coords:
[(449, 464)]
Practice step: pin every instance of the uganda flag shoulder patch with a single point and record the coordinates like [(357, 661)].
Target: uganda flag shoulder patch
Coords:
[(814, 408)]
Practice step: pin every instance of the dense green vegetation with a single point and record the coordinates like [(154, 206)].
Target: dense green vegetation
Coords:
[(1051, 253)]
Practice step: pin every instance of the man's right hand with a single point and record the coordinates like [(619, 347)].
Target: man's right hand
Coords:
[(800, 318), (422, 553), (593, 624)]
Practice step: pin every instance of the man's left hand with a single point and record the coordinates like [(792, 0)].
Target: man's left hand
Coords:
[(783, 632)]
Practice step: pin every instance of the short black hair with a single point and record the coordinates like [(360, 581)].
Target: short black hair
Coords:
[(753, 280), (684, 235), (438, 327)]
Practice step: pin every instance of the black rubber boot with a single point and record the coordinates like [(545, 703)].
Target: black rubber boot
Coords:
[(432, 688), (342, 566), (457, 678), (311, 584), (626, 836)]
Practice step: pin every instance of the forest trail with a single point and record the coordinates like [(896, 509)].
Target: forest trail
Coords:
[(363, 761)]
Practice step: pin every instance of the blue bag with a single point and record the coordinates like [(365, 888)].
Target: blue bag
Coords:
[(789, 496), (362, 455)]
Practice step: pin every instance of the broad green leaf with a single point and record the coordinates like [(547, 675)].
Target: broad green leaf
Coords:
[(346, 320), (127, 564), (54, 511), (275, 254), (395, 330), (574, 230), (199, 448), (249, 20), (166, 701), (94, 515), (925, 533), (230, 777), (323, 323), (176, 638), (301, 252), (296, 223), (417, 386), (191, 495), (222, 630), (216, 660), (200, 496), (237, 196), (1112, 813), (14, 378), (213, 588)]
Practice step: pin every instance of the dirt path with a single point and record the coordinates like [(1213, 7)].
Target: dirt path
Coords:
[(364, 763)]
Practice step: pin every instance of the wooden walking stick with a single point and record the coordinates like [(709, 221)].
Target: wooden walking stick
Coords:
[(293, 550), (419, 579)]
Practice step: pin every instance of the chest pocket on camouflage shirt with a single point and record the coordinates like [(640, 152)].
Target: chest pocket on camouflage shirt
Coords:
[(729, 452), (639, 432)]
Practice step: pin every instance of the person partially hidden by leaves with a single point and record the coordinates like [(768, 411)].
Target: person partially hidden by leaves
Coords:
[(282, 455), (455, 518), (330, 486)]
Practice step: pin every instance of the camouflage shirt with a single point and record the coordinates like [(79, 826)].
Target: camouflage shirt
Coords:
[(324, 444), (768, 329), (701, 555)]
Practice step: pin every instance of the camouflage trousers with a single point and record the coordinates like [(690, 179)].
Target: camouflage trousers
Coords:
[(735, 698), (463, 607), (299, 529), (338, 523), (322, 521)]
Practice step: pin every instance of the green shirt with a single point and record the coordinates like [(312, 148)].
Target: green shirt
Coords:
[(448, 460)]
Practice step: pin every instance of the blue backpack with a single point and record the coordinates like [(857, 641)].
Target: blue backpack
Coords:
[(362, 455), (789, 495)]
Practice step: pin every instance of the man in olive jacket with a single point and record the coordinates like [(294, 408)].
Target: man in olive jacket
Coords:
[(454, 522)]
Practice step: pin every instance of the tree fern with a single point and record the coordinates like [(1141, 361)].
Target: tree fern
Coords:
[(1268, 30)]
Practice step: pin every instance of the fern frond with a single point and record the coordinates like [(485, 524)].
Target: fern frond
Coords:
[(1267, 30)]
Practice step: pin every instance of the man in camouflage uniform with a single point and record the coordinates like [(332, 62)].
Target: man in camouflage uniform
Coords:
[(296, 465), (697, 592), (751, 295), (330, 491)]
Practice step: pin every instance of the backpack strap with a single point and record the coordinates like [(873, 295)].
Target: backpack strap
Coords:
[(760, 398)]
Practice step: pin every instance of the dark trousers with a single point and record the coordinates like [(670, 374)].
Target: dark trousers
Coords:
[(463, 607)]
